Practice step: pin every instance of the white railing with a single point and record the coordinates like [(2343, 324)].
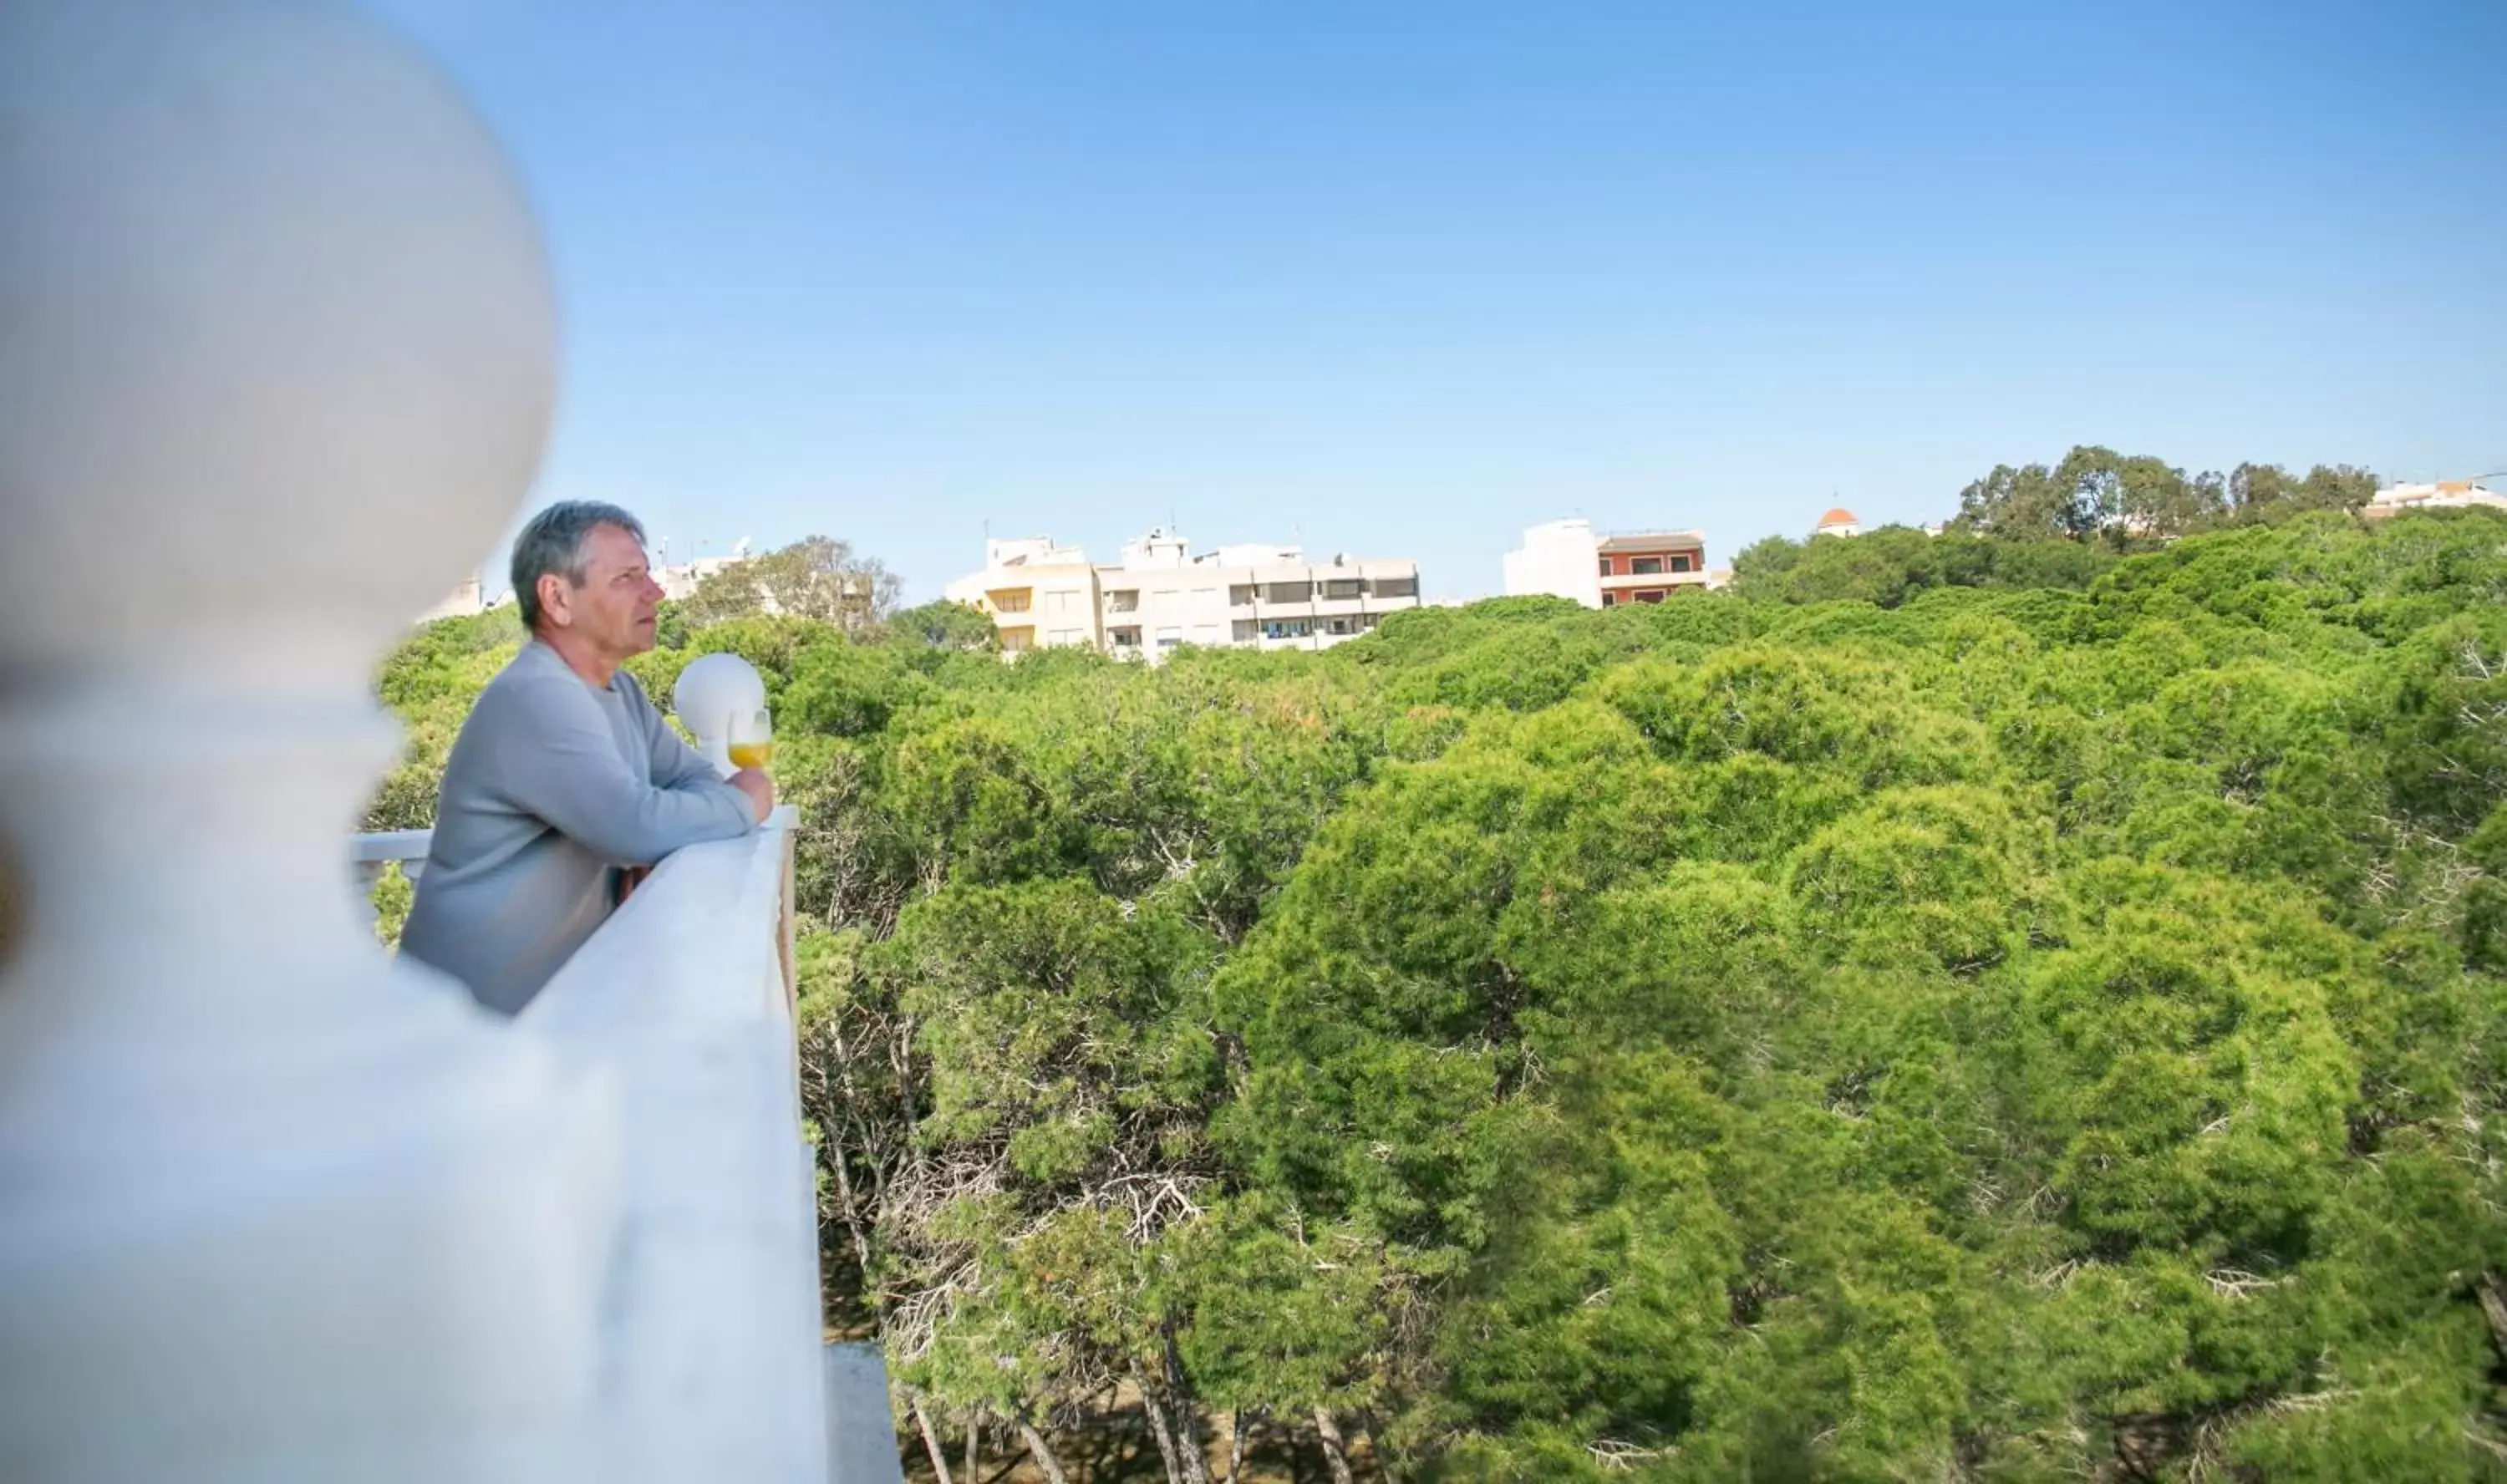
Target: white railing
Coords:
[(710, 1346)]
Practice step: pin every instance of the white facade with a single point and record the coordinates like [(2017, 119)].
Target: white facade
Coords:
[(2453, 495), (1559, 559), (1160, 597), (679, 583)]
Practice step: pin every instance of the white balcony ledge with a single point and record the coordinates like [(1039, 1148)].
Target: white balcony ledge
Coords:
[(710, 1351), (711, 1365)]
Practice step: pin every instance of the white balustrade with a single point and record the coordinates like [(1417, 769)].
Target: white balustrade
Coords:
[(278, 357), (277, 366), (711, 1341)]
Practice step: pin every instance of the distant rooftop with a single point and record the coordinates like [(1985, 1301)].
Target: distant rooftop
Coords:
[(1840, 516)]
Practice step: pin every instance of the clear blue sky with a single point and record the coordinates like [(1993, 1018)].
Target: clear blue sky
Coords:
[(1404, 278)]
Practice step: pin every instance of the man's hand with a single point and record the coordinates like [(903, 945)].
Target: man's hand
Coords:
[(760, 790)]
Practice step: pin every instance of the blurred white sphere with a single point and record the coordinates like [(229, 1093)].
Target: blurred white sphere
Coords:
[(277, 343), (714, 689)]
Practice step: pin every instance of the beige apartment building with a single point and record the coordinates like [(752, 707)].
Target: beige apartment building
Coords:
[(1041, 594)]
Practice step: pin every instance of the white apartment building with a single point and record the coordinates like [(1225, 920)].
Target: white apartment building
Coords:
[(1160, 597), (679, 583), (1558, 558)]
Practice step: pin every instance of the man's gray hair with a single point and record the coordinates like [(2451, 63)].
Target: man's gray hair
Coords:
[(552, 542)]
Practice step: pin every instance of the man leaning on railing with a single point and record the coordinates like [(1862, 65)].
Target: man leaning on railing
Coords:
[(566, 783)]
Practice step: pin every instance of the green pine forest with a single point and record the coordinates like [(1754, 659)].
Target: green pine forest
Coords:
[(2029, 1004)]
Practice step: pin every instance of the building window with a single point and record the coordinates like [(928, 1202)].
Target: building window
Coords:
[(1164, 600), (1015, 601), (1397, 587), (1610, 599), (1683, 562), (1650, 596), (1126, 601), (1606, 566), (1061, 601), (1248, 631), (1342, 587), (1341, 626), (1066, 637), (1285, 629), (1169, 638), (1124, 639), (1241, 596), (1646, 566)]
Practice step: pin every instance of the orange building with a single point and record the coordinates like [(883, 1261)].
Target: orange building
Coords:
[(1646, 566)]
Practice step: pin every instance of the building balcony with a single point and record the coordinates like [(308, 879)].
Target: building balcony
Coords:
[(1629, 581)]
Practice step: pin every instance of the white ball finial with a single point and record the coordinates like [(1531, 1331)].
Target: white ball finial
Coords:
[(277, 357), (280, 346), (711, 692)]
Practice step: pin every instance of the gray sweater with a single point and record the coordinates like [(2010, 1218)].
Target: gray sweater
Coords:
[(554, 784)]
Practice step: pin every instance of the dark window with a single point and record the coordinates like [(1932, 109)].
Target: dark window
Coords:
[(1610, 599), (1606, 566), (1679, 563), (1646, 566), (1653, 595)]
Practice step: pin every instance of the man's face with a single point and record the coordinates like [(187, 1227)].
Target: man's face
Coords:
[(614, 611)]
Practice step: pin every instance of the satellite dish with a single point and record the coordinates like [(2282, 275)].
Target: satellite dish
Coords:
[(739, 548)]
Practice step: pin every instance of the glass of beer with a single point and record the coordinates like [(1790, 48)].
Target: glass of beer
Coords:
[(752, 739)]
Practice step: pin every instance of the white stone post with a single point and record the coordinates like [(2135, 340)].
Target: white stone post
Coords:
[(276, 363)]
